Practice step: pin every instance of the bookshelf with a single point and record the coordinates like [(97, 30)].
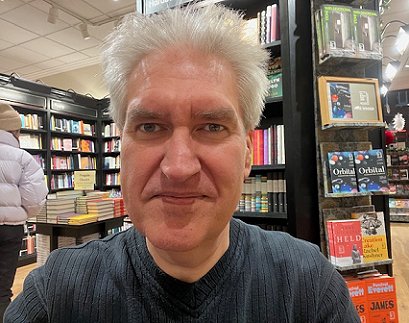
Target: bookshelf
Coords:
[(111, 151), (348, 136)]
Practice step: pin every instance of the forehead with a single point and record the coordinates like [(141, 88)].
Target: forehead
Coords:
[(178, 75)]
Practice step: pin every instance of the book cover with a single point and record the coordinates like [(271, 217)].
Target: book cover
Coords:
[(374, 243), (337, 37), (357, 291), (344, 242), (370, 169), (342, 172), (367, 33), (381, 299)]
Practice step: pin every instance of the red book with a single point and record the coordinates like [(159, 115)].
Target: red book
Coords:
[(344, 242)]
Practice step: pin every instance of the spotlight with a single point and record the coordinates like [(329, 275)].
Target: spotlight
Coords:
[(385, 88), (402, 39), (52, 15), (391, 70), (84, 31)]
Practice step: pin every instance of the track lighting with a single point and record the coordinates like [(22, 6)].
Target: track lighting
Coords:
[(391, 70), (84, 31), (402, 39), (52, 15)]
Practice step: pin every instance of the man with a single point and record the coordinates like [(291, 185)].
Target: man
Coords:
[(187, 89), (22, 193)]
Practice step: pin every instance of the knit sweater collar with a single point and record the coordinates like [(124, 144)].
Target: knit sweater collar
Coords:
[(194, 295), (8, 139)]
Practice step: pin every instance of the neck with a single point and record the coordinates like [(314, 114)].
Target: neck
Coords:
[(190, 266)]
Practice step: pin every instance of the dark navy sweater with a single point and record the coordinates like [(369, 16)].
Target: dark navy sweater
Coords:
[(263, 277)]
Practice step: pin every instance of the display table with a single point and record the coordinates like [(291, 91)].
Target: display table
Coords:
[(54, 230)]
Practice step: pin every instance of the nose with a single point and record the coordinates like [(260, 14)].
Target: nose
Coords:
[(180, 161)]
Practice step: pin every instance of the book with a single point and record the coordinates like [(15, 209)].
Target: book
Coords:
[(342, 172), (374, 243), (370, 171), (367, 33), (344, 242), (381, 299), (335, 31)]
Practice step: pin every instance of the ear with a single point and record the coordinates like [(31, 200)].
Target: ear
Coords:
[(248, 154)]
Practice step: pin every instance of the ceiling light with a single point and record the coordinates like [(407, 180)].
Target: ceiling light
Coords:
[(391, 70), (402, 40), (385, 88), (84, 31), (52, 15)]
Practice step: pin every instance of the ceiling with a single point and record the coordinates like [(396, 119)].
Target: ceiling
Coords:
[(399, 10), (34, 48)]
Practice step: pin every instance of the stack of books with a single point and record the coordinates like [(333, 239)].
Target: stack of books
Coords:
[(58, 210), (101, 208)]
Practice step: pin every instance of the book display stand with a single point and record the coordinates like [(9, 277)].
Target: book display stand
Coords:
[(348, 118)]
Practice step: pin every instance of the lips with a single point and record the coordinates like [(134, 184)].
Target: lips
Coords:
[(179, 198)]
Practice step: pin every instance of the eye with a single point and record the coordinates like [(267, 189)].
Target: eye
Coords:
[(149, 127), (213, 127)]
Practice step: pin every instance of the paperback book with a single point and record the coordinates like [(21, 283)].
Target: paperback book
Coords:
[(370, 171), (374, 243), (344, 242), (342, 172)]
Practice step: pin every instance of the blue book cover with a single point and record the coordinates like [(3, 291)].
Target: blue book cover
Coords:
[(342, 172), (371, 171)]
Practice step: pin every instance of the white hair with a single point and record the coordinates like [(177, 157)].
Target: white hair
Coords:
[(213, 30)]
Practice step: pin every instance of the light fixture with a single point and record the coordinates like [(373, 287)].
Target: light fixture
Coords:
[(84, 31), (391, 70), (52, 15), (385, 88), (402, 39)]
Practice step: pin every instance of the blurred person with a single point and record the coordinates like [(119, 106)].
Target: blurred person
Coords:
[(22, 194)]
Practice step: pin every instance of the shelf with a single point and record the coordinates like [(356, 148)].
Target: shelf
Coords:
[(73, 116), (398, 180), (110, 137), (69, 170), (355, 125), (268, 216), (111, 169), (111, 153), (255, 168), (271, 99), (27, 130), (70, 134), (27, 259), (34, 150), (364, 265), (53, 190), (339, 195), (399, 217), (112, 186), (70, 152)]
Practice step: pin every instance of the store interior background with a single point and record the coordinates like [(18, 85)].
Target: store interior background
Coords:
[(57, 55)]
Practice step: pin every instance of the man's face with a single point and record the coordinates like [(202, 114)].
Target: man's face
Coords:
[(185, 152)]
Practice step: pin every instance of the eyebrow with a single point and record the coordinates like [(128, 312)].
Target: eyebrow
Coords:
[(215, 115), (140, 113), (218, 114)]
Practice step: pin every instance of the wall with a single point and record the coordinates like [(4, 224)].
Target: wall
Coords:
[(83, 80)]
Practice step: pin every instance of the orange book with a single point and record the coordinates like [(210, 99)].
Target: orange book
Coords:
[(357, 291), (381, 299)]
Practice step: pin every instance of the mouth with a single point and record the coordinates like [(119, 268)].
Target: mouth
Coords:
[(179, 199)]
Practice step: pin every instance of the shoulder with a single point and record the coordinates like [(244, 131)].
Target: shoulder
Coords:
[(285, 251), (94, 256)]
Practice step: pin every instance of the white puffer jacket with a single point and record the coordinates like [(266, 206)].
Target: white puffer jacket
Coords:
[(22, 186)]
